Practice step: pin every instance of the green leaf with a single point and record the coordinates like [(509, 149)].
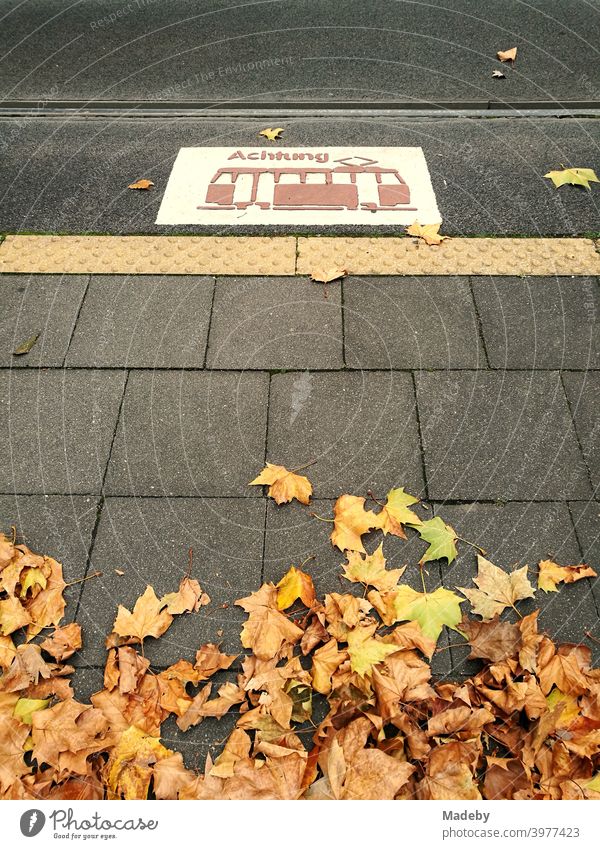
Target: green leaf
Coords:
[(26, 346), (573, 176), (441, 538), (431, 610)]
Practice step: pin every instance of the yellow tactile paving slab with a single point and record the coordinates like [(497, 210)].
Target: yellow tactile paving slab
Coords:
[(148, 255), (454, 256), (286, 255)]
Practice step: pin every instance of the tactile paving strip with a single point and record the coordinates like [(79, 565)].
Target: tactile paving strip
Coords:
[(148, 255), (286, 255), (405, 256)]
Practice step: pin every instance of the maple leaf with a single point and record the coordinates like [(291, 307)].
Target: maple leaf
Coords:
[(493, 640), (351, 521), (428, 232), (507, 55), (63, 642), (573, 176), (267, 630), (148, 618), (441, 538), (402, 677), (294, 585), (365, 650), (48, 606), (12, 742), (141, 184), (497, 589), (67, 733), (188, 598), (129, 768), (210, 659), (271, 133), (170, 776), (430, 610), (370, 570), (283, 484), (327, 275), (12, 615), (551, 574), (395, 512), (326, 660)]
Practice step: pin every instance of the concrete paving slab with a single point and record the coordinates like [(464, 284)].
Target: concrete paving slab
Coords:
[(583, 391), (71, 176), (586, 518), (143, 322), (57, 526), (297, 50), (275, 323), (411, 323), (502, 436), (361, 429), (45, 305), (190, 433), (515, 534), (540, 322), (56, 429), (149, 539)]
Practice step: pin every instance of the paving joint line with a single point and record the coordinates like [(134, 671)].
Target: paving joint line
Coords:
[(576, 432), (101, 499), (479, 324), (74, 328)]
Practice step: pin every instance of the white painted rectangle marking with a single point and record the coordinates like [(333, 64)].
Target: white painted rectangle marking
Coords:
[(299, 185)]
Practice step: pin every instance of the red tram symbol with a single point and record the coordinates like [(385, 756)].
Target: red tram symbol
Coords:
[(310, 188)]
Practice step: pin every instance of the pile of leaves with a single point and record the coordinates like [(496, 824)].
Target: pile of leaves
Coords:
[(526, 725)]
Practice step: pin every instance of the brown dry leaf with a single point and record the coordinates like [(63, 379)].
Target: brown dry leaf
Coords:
[(284, 485), (130, 766), (210, 659), (189, 598), (148, 619), (327, 275), (48, 606), (295, 585), (63, 642), (450, 774), (351, 521), (428, 232), (141, 184), (493, 640), (507, 55), (551, 574), (370, 570), (12, 615), (497, 589), (170, 776), (267, 631), (326, 660)]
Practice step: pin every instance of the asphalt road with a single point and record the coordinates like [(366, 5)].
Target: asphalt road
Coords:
[(72, 176), (286, 51)]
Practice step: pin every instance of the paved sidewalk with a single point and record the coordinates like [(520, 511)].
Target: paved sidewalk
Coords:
[(130, 433)]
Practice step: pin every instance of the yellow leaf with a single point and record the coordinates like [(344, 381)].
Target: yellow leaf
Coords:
[(283, 484), (351, 521), (574, 177), (295, 584), (370, 570), (551, 574), (271, 133), (507, 55), (395, 513), (365, 651), (428, 232), (129, 769), (141, 184), (24, 708), (570, 711)]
